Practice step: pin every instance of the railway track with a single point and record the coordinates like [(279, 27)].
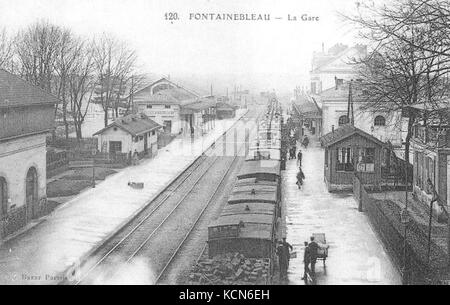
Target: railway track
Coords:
[(163, 273), (136, 237)]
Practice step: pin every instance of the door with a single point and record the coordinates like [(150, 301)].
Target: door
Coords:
[(31, 192), (167, 126), (3, 198), (115, 147), (146, 142)]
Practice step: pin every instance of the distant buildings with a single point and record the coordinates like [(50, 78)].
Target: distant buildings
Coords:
[(334, 66), (26, 117), (334, 80), (335, 113), (129, 134), (176, 108)]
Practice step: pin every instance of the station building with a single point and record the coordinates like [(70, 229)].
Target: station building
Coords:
[(177, 109), (26, 117), (134, 132)]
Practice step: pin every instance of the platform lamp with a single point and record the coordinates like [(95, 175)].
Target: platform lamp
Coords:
[(405, 219)]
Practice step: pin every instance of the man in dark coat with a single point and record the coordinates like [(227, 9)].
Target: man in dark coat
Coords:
[(287, 248), (299, 158), (306, 261), (313, 248), (282, 260)]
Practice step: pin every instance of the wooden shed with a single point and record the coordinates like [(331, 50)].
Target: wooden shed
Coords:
[(349, 150)]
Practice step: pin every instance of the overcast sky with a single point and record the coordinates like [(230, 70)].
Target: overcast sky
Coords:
[(264, 55)]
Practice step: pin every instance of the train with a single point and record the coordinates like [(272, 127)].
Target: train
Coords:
[(250, 220)]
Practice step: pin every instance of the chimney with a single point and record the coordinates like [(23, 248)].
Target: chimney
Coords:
[(332, 128), (335, 83)]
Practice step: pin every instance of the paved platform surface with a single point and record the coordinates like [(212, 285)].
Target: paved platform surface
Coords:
[(42, 253), (356, 255)]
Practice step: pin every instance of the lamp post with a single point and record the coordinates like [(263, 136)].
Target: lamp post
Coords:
[(405, 219)]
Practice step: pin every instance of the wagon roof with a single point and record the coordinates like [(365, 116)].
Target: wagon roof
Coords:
[(259, 189), (251, 181), (249, 208), (246, 218), (345, 132), (248, 197), (252, 168)]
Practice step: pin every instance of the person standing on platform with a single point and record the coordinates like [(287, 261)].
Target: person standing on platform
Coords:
[(282, 260), (306, 261), (299, 158), (287, 248), (313, 248)]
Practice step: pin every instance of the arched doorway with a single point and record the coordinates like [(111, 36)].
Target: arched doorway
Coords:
[(3, 198), (31, 192)]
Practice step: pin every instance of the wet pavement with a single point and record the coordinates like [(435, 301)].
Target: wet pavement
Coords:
[(41, 254), (356, 254)]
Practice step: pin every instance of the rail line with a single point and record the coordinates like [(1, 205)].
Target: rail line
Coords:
[(139, 226), (133, 229), (194, 225)]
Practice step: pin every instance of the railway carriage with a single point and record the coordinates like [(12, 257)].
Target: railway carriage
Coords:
[(247, 228), (249, 222)]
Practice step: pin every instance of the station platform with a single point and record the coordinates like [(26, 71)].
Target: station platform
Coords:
[(42, 254), (356, 254)]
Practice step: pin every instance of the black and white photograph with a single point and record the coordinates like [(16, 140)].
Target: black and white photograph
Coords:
[(224, 143)]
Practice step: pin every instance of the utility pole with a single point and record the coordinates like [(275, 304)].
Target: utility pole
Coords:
[(350, 116)]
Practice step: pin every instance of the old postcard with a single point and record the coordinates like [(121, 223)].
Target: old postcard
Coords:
[(224, 142)]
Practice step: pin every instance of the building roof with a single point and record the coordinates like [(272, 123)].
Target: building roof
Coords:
[(199, 104), (225, 106), (306, 106), (340, 59), (15, 92), (344, 132), (133, 124), (172, 96)]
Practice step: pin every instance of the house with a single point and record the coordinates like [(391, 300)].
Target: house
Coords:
[(177, 109), (335, 65), (26, 117), (225, 110), (134, 132), (430, 146), (350, 150), (307, 112), (335, 113)]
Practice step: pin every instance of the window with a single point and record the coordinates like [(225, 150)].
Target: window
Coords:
[(339, 81), (429, 163), (343, 119), (167, 106), (141, 138), (3, 197), (366, 160), (153, 133), (379, 121), (136, 139), (313, 87), (149, 106), (344, 159)]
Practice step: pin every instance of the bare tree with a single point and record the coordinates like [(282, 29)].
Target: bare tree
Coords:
[(81, 84), (37, 51), (403, 69), (114, 63), (6, 50), (136, 83)]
